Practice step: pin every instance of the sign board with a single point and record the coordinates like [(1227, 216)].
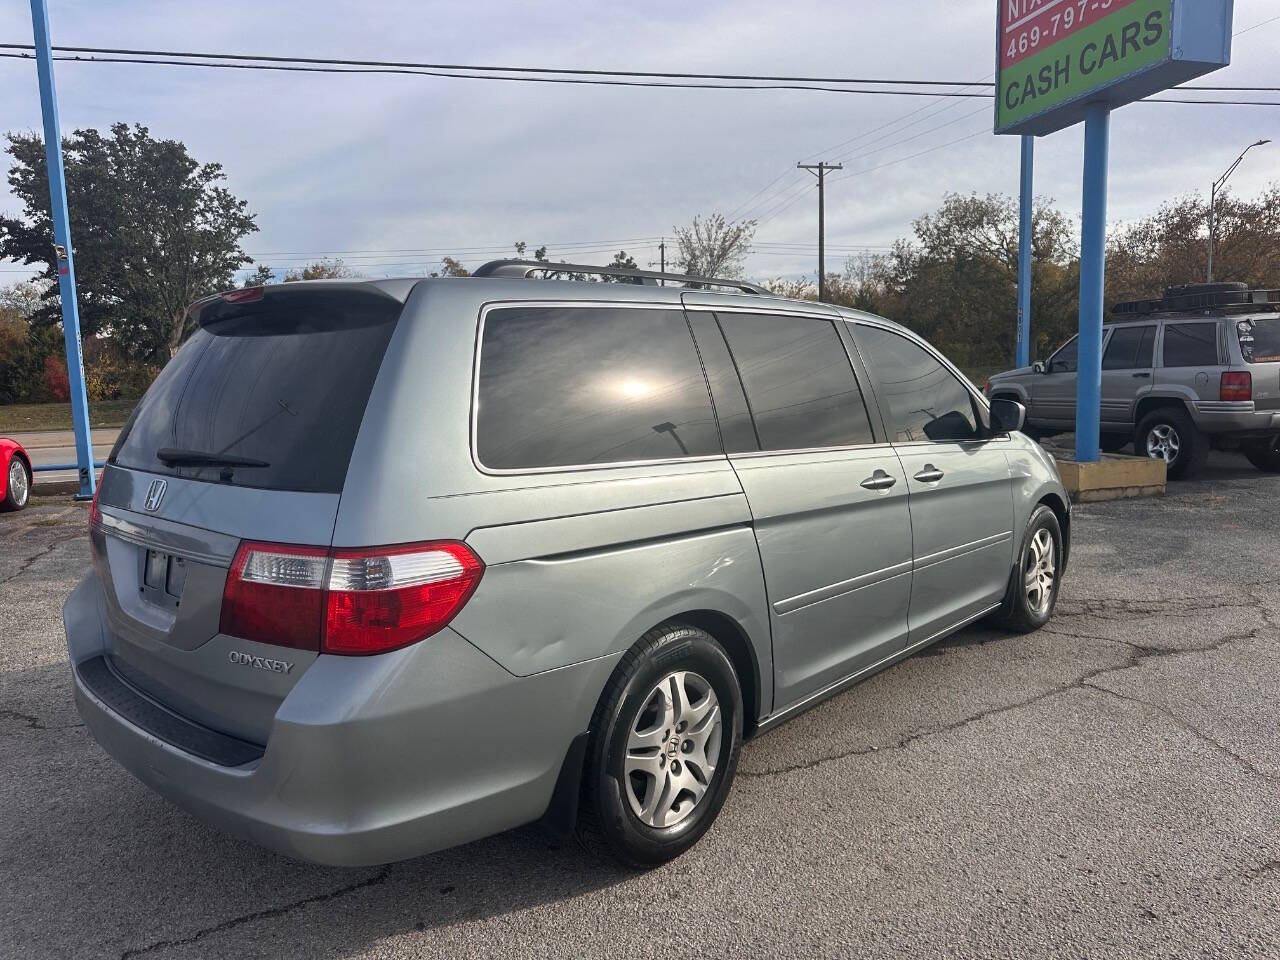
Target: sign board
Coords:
[(1056, 56)]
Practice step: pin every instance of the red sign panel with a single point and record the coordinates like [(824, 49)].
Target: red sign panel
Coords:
[(1029, 26)]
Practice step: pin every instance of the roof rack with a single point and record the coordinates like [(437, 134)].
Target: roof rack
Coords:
[(1196, 297), (526, 268)]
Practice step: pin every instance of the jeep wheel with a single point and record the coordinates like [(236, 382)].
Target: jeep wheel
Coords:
[(1168, 434), (1264, 454), (663, 748)]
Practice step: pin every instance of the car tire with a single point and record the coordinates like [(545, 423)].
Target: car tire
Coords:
[(1029, 607), (1264, 454), (1167, 433), (18, 486), (652, 787)]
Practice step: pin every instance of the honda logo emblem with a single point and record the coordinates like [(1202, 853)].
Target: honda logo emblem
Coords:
[(155, 493)]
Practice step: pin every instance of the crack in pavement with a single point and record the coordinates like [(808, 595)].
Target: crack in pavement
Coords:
[(1140, 654), (1184, 724), (375, 880), (35, 723), (28, 562)]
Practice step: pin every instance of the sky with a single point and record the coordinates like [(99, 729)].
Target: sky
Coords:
[(391, 172)]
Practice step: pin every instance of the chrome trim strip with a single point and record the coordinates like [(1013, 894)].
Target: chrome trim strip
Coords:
[(832, 689), (1223, 406), (155, 539), (802, 600), (951, 553)]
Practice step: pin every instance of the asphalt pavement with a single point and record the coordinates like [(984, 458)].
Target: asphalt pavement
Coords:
[(1106, 787)]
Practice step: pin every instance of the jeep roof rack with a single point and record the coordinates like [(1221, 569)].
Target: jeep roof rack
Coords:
[(1231, 297), (526, 268)]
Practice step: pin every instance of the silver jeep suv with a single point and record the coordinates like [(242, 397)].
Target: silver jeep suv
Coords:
[(383, 567), (1197, 369)]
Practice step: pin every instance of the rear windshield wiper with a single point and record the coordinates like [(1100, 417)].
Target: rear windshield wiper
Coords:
[(173, 457)]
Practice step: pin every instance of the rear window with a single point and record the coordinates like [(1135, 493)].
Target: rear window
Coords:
[(278, 387), (577, 386), (1259, 340)]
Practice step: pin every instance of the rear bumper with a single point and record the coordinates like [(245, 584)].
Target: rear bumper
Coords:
[(370, 759), (1234, 416)]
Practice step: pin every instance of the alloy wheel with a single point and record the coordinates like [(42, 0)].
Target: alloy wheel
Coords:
[(1163, 443), (19, 488), (672, 748), (1039, 571)]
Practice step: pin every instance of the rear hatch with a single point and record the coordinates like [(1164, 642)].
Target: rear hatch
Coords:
[(247, 434), (1259, 339)]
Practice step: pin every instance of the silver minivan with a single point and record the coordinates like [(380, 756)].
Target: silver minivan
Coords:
[(384, 567)]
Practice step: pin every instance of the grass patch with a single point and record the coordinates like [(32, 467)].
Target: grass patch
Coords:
[(18, 417)]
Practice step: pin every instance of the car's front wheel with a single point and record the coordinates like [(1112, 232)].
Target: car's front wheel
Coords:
[(18, 488), (1033, 586), (1168, 434), (663, 748), (1264, 454)]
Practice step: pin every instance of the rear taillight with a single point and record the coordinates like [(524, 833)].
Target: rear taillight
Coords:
[(95, 514), (986, 388), (1236, 385), (347, 601)]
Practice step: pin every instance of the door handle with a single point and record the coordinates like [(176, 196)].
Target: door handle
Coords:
[(879, 481), (929, 474), (1136, 375)]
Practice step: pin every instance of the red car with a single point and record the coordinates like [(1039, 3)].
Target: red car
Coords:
[(15, 475)]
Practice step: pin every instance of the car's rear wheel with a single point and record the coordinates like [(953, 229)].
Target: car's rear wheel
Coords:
[(663, 748), (18, 486), (1034, 583), (1168, 434), (1264, 454)]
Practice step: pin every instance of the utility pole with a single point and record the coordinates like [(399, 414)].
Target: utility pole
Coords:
[(819, 170), (1213, 198)]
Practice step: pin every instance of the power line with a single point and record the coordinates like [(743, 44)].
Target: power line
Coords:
[(401, 64), (680, 85)]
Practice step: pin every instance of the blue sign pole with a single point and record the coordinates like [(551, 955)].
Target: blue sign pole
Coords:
[(1093, 252), (63, 254), (1024, 251)]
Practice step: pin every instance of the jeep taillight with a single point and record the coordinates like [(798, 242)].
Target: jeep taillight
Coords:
[(347, 601), (1236, 385)]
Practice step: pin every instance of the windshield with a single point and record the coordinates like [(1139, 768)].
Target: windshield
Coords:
[(266, 394), (1259, 339)]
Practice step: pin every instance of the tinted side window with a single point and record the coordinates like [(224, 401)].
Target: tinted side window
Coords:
[(736, 429), (1129, 348), (799, 383), (563, 386), (1190, 344), (1065, 360), (922, 398)]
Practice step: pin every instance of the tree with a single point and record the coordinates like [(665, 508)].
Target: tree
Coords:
[(1171, 246), (451, 267), (321, 270), (260, 277), (713, 246), (153, 231)]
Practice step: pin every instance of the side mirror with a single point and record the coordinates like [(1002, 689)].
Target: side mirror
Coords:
[(1038, 366), (1007, 416)]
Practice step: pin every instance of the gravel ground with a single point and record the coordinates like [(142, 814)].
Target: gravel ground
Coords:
[(1109, 786)]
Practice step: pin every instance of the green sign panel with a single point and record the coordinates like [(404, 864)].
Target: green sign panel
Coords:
[(1055, 57), (1056, 53)]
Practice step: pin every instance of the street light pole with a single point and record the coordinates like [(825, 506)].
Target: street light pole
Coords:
[(1213, 197)]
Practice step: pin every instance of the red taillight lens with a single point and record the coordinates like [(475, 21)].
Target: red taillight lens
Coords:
[(275, 594), (347, 601), (390, 597), (1236, 385), (244, 295)]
